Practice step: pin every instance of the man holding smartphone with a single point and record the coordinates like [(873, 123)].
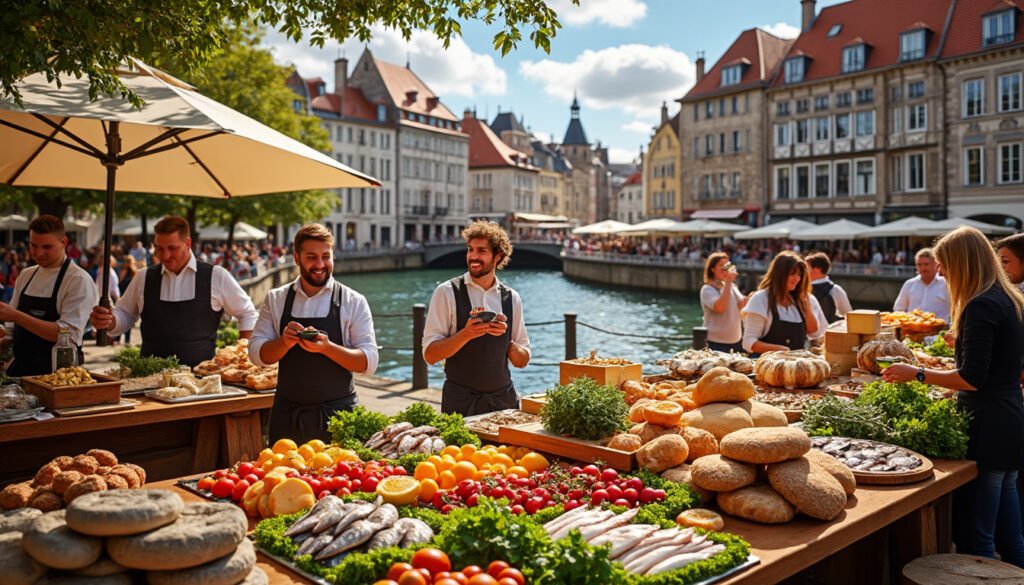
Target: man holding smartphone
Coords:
[(475, 323)]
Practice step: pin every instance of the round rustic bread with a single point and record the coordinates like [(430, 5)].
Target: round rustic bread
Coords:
[(227, 570), (835, 468), (625, 442), (256, 577), (63, 461), (66, 579), (758, 503), (650, 431), (18, 520), (53, 544), (662, 453), (17, 567), (129, 474), (103, 457), (765, 445), (46, 500), (104, 567), (123, 512), (204, 532), (809, 487), (721, 474), (701, 443), (720, 384), (681, 474), (718, 418), (45, 475), (764, 415)]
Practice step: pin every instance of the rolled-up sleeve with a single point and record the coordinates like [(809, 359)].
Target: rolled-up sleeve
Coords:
[(235, 301), (265, 330), (75, 302), (360, 333), (438, 325), (978, 326), (128, 308)]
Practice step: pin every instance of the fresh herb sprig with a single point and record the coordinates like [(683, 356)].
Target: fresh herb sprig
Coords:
[(130, 359), (584, 409)]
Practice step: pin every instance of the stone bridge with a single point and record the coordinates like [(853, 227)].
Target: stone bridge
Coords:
[(525, 254)]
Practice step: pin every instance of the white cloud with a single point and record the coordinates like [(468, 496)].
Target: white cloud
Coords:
[(455, 71), (621, 155), (638, 126), (633, 78), (614, 13), (783, 30)]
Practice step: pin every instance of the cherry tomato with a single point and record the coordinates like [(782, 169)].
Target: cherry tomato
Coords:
[(220, 473), (631, 495), (396, 570), (592, 471), (512, 573), (472, 571), (599, 497), (245, 468), (635, 483), (206, 483), (260, 473), (442, 575), (508, 581), (572, 505), (223, 488), (431, 559), (614, 493), (412, 577), (251, 478), (370, 483), (647, 495), (386, 582), (239, 490), (343, 469), (623, 502), (447, 581), (496, 567), (356, 485), (517, 509), (609, 475), (316, 485)]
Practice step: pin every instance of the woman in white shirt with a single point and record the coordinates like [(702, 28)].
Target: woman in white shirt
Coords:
[(722, 302), (782, 313)]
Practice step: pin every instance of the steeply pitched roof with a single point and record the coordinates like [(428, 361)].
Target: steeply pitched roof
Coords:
[(354, 104), (575, 134), (505, 122), (877, 22), (966, 31), (486, 150), (637, 178), (760, 52), (400, 80)]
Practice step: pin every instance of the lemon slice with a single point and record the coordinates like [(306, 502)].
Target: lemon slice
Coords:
[(399, 490), (700, 518)]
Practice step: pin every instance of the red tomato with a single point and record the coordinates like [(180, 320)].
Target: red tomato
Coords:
[(245, 468), (483, 579), (472, 571), (511, 573), (206, 483), (508, 581), (412, 577), (447, 581), (220, 473), (442, 575), (251, 478), (239, 490), (223, 488), (431, 559), (397, 569), (370, 483), (458, 578), (496, 567)]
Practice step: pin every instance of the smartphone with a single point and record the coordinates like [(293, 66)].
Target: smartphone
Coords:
[(309, 334), (486, 316)]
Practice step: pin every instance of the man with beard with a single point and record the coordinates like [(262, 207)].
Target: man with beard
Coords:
[(337, 339), (475, 323), (180, 300)]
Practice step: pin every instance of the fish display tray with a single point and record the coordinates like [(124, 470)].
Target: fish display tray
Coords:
[(794, 415), (535, 437), (106, 390), (227, 393), (925, 471), (290, 564)]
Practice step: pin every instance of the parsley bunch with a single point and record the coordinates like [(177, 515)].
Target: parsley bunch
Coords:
[(584, 409)]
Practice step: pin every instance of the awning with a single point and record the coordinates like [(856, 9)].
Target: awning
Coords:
[(716, 213), (553, 225), (540, 217)]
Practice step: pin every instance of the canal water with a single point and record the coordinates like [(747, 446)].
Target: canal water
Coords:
[(547, 295)]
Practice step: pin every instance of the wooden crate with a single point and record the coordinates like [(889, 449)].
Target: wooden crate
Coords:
[(535, 437), (106, 390), (606, 375), (533, 403)]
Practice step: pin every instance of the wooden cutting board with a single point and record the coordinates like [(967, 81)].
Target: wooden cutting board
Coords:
[(535, 437), (125, 404)]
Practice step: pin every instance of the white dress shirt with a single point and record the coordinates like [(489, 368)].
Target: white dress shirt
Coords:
[(839, 296), (75, 300), (115, 284), (356, 320), (441, 320), (225, 293), (933, 298), (757, 318)]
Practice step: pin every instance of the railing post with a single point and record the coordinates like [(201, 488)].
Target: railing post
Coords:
[(700, 337), (570, 336), (419, 365)]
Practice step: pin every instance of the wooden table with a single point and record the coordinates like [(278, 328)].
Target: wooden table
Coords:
[(850, 549), (169, 440)]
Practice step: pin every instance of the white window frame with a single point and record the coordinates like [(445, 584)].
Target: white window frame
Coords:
[(853, 58), (818, 137), (999, 164), (911, 188), (990, 37), (796, 181), (897, 120), (783, 134), (857, 131), (731, 75), (789, 179), (835, 178), (980, 83), (999, 87), (912, 115), (912, 45), (849, 126), (856, 177), (899, 174), (828, 176), (795, 70), (806, 124), (966, 168)]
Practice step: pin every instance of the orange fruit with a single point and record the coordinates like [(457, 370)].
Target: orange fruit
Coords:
[(481, 473), (467, 452), (278, 459), (317, 445), (451, 450), (447, 462), (306, 452), (519, 471), (480, 458), (428, 488), (446, 480), (321, 460), (283, 446), (503, 459), (534, 462), (265, 455), (498, 469), (425, 470), (435, 460), (399, 490), (464, 470)]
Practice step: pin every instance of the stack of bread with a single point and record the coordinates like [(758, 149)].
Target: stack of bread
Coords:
[(60, 481), (110, 537), (233, 365)]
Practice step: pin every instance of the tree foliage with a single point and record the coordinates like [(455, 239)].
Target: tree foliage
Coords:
[(92, 37)]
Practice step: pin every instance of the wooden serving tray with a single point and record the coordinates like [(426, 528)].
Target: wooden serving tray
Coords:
[(611, 375), (897, 477), (125, 404), (106, 390), (535, 437)]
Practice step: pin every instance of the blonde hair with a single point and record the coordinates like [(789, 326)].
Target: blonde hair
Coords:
[(971, 268)]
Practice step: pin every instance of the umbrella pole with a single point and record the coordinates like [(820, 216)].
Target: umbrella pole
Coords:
[(112, 161)]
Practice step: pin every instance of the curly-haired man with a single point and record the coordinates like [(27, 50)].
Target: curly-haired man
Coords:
[(475, 323)]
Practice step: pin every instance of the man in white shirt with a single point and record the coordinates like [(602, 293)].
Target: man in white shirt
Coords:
[(833, 299), (927, 291), (315, 377), (179, 300), (477, 350), (54, 294)]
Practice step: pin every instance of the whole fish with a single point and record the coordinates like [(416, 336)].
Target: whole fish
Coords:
[(355, 535), (358, 510), (416, 531), (312, 517), (329, 520), (396, 428), (316, 544), (384, 516), (387, 537)]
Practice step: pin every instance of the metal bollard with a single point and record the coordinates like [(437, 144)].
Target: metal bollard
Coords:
[(419, 365), (570, 336), (700, 337)]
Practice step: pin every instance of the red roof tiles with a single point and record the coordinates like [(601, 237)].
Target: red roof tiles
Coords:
[(402, 84), (760, 50), (354, 103), (486, 150), (965, 31), (637, 178)]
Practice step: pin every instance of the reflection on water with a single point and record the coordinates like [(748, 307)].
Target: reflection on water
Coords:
[(546, 295)]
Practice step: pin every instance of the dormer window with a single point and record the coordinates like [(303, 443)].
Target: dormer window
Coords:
[(998, 27), (731, 75), (912, 44), (794, 72), (835, 30), (854, 57)]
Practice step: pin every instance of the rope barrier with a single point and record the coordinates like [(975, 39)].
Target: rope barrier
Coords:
[(390, 315), (662, 337), (543, 323)]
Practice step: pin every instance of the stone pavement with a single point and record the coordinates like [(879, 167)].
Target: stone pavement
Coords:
[(375, 392)]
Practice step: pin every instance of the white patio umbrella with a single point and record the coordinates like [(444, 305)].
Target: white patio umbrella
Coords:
[(774, 231), (908, 226), (945, 226), (180, 142), (710, 228), (661, 224), (608, 226), (243, 231), (840, 229)]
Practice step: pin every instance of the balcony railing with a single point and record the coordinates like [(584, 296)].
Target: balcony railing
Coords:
[(440, 211), (417, 210)]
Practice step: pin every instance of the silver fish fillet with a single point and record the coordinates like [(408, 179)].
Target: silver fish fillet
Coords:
[(358, 511)]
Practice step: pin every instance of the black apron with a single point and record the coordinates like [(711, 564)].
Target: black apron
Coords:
[(791, 335), (823, 292), (477, 378), (187, 329), (310, 386), (33, 355)]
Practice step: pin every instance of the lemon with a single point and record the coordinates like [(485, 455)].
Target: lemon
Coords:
[(399, 490)]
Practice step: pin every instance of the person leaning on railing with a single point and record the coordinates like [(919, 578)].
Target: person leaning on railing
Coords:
[(722, 301), (988, 320)]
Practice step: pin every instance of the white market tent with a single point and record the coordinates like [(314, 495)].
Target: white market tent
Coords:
[(947, 225), (608, 226), (659, 225), (774, 231), (840, 229), (908, 226), (710, 228), (243, 231)]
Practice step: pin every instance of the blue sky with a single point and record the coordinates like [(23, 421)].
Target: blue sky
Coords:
[(623, 57)]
